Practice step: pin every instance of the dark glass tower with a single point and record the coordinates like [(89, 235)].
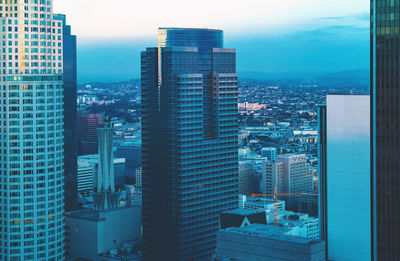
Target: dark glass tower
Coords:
[(385, 95), (189, 141), (70, 117)]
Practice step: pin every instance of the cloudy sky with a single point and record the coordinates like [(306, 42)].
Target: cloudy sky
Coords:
[(270, 36)]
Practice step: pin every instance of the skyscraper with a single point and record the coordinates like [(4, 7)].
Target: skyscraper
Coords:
[(385, 142), (70, 116), (87, 132), (345, 185), (190, 144), (31, 147)]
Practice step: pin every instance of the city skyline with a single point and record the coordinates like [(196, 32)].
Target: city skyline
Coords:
[(337, 33)]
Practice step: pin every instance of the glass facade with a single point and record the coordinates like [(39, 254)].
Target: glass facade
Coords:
[(70, 116), (31, 133), (345, 184), (385, 95), (189, 140)]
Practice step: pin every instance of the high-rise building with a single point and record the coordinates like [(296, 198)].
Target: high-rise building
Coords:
[(247, 178), (87, 132), (272, 176), (296, 178), (345, 183), (31, 133), (70, 116), (190, 144), (385, 111)]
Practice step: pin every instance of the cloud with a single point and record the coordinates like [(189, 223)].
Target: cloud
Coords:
[(127, 18)]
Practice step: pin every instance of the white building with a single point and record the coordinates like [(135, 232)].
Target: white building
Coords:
[(296, 178), (31, 147), (345, 178), (300, 224)]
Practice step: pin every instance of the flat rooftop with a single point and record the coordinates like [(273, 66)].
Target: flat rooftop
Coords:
[(244, 212), (270, 232), (94, 215)]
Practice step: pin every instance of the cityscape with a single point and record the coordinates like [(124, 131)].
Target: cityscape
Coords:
[(194, 157)]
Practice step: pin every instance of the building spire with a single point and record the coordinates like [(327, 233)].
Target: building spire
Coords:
[(105, 196)]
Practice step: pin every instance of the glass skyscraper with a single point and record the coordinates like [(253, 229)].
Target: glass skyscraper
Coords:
[(70, 116), (345, 185), (189, 140), (385, 104), (31, 133)]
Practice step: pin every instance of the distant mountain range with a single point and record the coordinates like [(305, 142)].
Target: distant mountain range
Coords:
[(354, 78), (306, 75)]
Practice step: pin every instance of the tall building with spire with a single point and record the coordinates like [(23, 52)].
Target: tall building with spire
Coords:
[(104, 195), (189, 141), (31, 133), (385, 118)]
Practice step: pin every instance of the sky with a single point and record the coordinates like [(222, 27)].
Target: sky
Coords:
[(271, 37)]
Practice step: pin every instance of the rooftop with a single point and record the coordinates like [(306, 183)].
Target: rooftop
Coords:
[(244, 212), (270, 232)]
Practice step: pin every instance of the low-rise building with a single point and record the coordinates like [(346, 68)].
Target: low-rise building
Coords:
[(265, 242), (90, 233)]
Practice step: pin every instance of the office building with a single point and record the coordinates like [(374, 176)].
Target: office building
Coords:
[(86, 173), (131, 151), (247, 178), (70, 116), (270, 153), (266, 242), (272, 176), (345, 183), (138, 178), (87, 132), (385, 111), (190, 144), (300, 224), (296, 178), (31, 133)]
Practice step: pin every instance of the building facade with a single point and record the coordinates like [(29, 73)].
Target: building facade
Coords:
[(296, 178), (189, 139), (70, 116), (32, 140), (270, 152), (91, 235), (266, 242), (272, 176), (345, 184), (87, 132), (385, 111)]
